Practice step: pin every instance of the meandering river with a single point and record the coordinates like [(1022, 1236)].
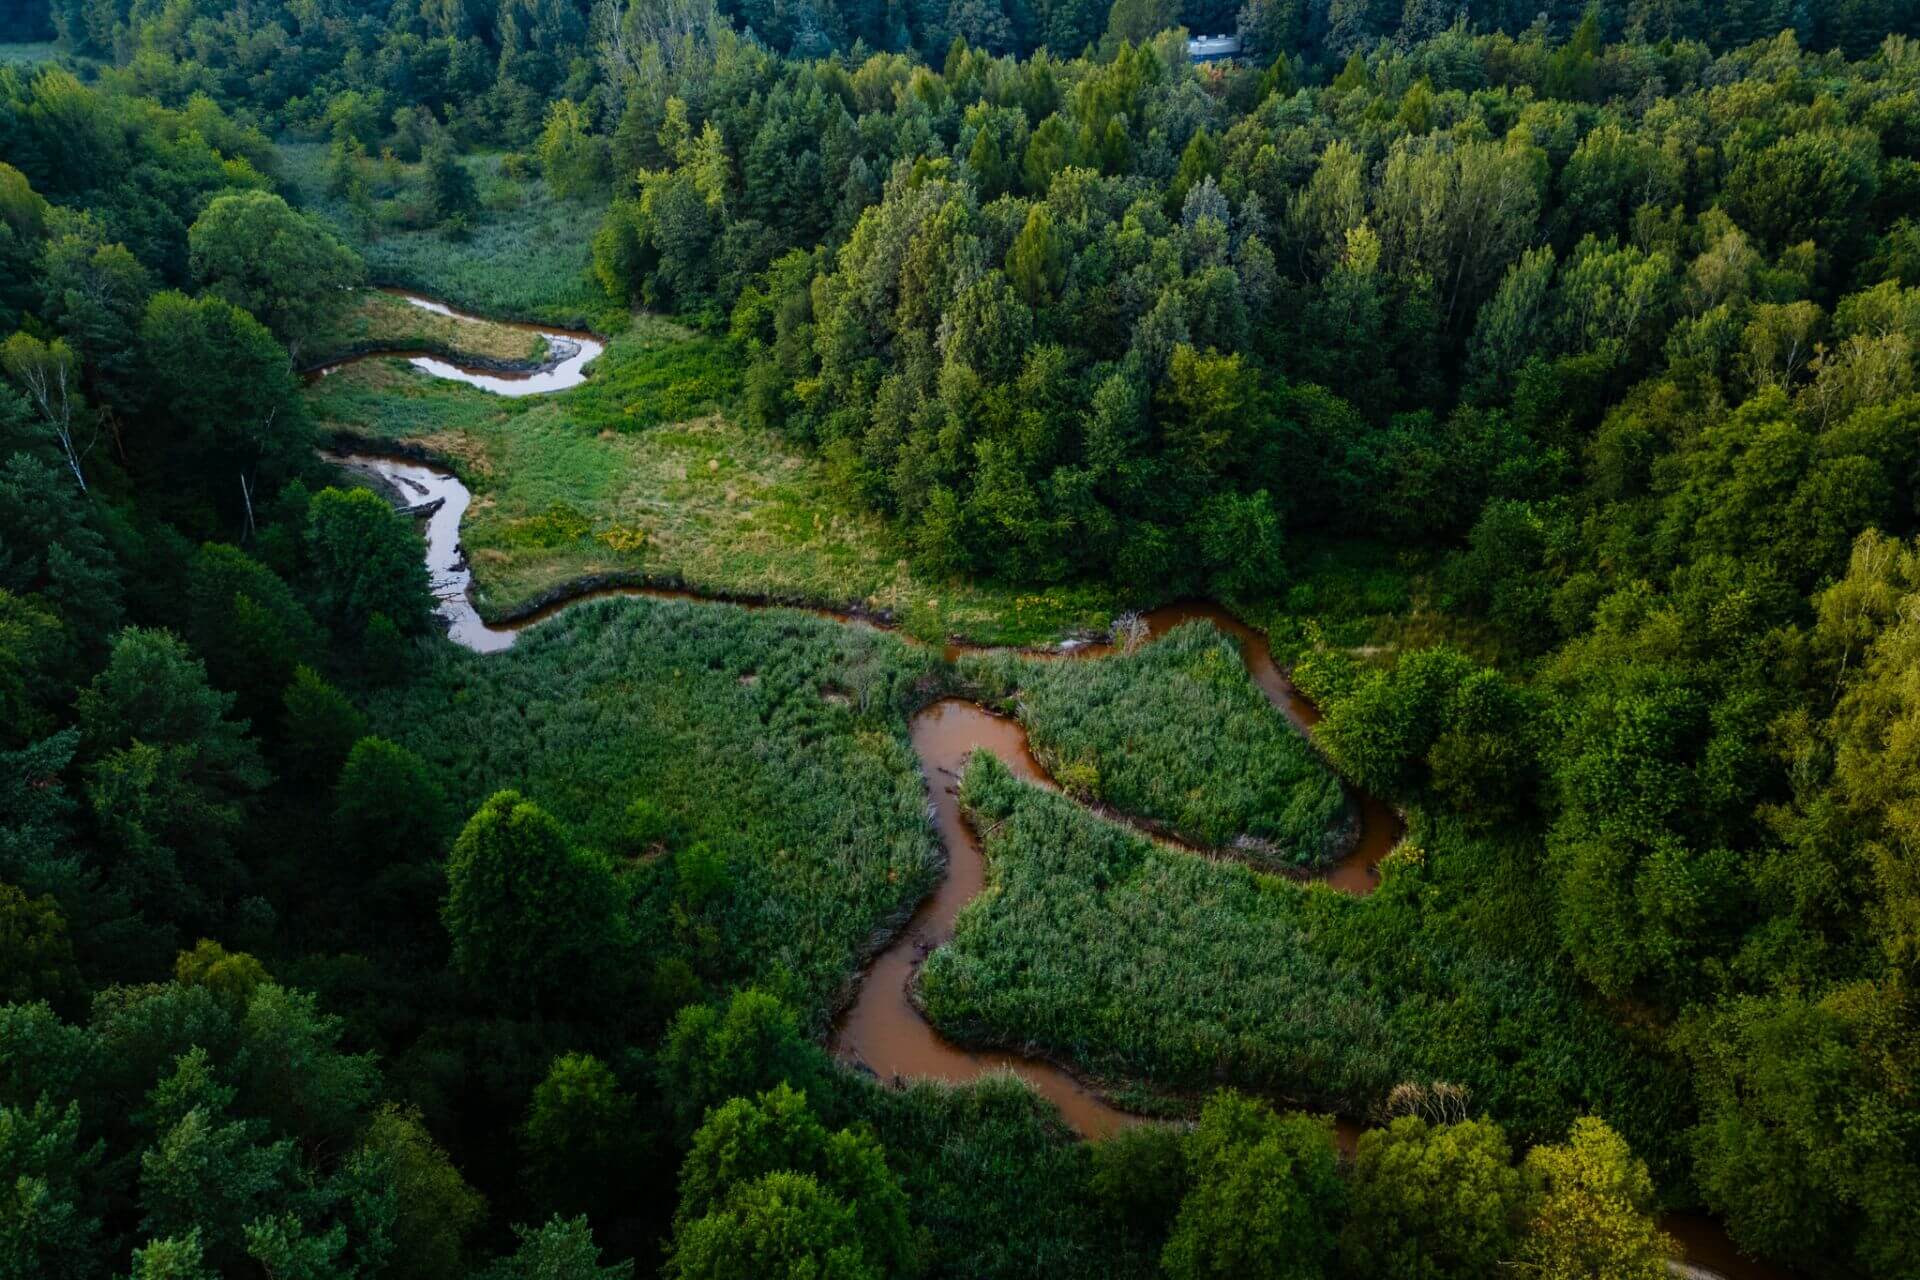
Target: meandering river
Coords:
[(570, 351), (881, 1030)]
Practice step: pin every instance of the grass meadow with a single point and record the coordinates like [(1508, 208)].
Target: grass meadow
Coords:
[(1136, 960), (641, 472), (379, 321)]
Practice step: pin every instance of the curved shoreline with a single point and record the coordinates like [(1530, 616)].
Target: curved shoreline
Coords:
[(371, 350), (879, 1026), (572, 350), (1703, 1239)]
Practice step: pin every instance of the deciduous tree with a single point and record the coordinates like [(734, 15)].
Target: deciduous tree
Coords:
[(1266, 1197), (367, 561), (1432, 1202), (530, 917), (49, 372), (1590, 1210), (289, 271)]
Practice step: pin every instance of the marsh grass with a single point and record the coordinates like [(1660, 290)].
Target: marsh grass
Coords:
[(780, 739), (1097, 946), (817, 807), (379, 321), (815, 804), (526, 258), (1176, 732), (1133, 959), (697, 501)]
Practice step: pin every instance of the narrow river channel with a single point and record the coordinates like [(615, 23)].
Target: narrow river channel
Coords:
[(881, 1030), (569, 352)]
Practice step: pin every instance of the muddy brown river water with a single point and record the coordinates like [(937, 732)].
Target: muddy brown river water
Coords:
[(881, 1030)]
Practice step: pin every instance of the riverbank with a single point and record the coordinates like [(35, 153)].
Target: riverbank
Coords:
[(881, 1027), (642, 475), (453, 346), (1416, 961), (390, 320)]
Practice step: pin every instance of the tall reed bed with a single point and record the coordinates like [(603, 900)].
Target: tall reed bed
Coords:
[(1177, 733)]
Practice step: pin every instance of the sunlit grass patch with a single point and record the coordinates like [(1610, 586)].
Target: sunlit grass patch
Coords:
[(379, 321), (700, 501)]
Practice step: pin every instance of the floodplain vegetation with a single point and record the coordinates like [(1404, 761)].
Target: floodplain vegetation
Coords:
[(1547, 385), (642, 473), (1176, 733), (380, 321)]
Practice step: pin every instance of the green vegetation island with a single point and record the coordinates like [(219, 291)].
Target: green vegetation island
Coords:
[(730, 640)]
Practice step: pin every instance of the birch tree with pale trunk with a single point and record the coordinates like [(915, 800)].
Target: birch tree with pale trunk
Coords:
[(49, 372)]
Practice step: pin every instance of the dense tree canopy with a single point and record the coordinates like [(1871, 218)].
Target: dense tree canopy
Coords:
[(1431, 1201), (1264, 1197), (281, 265), (1542, 379), (529, 916)]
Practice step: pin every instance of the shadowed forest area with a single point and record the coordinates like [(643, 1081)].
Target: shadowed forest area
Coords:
[(1026, 655)]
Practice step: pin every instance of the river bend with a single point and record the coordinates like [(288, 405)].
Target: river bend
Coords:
[(881, 1030)]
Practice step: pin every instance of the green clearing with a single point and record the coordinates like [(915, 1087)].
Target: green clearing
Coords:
[(1101, 947), (593, 482), (381, 322), (1175, 732), (526, 258)]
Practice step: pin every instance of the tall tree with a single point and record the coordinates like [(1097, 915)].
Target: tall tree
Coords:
[(531, 917), (49, 372), (585, 1147), (367, 562), (285, 267), (1266, 1197), (1590, 1210), (225, 400), (1432, 1202), (767, 1190)]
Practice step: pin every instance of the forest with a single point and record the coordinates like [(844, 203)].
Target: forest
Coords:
[(848, 641)]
